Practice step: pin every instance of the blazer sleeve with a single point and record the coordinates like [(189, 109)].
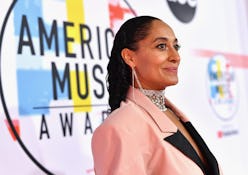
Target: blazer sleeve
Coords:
[(113, 154)]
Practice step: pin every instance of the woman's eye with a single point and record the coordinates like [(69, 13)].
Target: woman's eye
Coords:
[(177, 46), (161, 46)]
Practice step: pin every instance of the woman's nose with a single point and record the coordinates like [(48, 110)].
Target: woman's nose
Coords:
[(174, 55)]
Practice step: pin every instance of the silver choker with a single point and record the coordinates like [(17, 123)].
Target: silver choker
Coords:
[(157, 98)]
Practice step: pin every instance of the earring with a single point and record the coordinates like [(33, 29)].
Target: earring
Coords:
[(135, 77)]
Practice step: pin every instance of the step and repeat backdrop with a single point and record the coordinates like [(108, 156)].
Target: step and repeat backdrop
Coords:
[(53, 58)]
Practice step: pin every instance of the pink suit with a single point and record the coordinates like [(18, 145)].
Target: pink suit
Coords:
[(138, 139)]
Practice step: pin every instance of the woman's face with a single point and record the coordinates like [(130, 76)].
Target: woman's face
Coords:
[(157, 59)]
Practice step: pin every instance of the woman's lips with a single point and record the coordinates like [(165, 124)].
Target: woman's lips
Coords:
[(171, 69)]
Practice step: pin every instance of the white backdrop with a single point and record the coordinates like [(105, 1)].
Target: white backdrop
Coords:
[(53, 57)]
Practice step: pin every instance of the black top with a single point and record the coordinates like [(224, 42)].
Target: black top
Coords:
[(181, 143)]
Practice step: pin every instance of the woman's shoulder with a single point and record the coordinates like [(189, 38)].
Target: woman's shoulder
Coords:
[(127, 112), (128, 115)]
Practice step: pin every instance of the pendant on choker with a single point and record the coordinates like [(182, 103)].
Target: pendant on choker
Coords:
[(157, 98)]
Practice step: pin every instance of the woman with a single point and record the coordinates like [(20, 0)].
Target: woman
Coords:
[(145, 134)]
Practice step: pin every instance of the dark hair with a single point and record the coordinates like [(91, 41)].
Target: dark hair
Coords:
[(119, 73)]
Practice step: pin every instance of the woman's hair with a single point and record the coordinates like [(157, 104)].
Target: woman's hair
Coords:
[(119, 73)]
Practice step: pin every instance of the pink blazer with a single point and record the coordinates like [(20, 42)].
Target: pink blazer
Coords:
[(138, 139)]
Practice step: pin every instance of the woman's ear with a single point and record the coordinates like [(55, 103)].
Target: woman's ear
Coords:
[(128, 56)]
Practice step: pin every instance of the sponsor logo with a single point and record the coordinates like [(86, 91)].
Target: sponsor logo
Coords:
[(184, 10), (222, 87), (227, 133)]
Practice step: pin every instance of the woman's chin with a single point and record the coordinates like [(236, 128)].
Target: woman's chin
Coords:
[(172, 82)]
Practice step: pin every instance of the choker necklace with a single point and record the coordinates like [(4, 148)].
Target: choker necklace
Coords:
[(157, 98)]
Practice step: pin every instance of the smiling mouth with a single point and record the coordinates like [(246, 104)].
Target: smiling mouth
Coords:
[(171, 69)]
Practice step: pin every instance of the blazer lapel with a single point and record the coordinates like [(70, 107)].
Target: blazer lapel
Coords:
[(163, 122), (213, 168), (182, 144)]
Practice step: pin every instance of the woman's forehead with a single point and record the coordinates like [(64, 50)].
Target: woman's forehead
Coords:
[(160, 31), (160, 27)]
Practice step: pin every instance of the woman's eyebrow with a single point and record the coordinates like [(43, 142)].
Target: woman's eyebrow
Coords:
[(164, 39)]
